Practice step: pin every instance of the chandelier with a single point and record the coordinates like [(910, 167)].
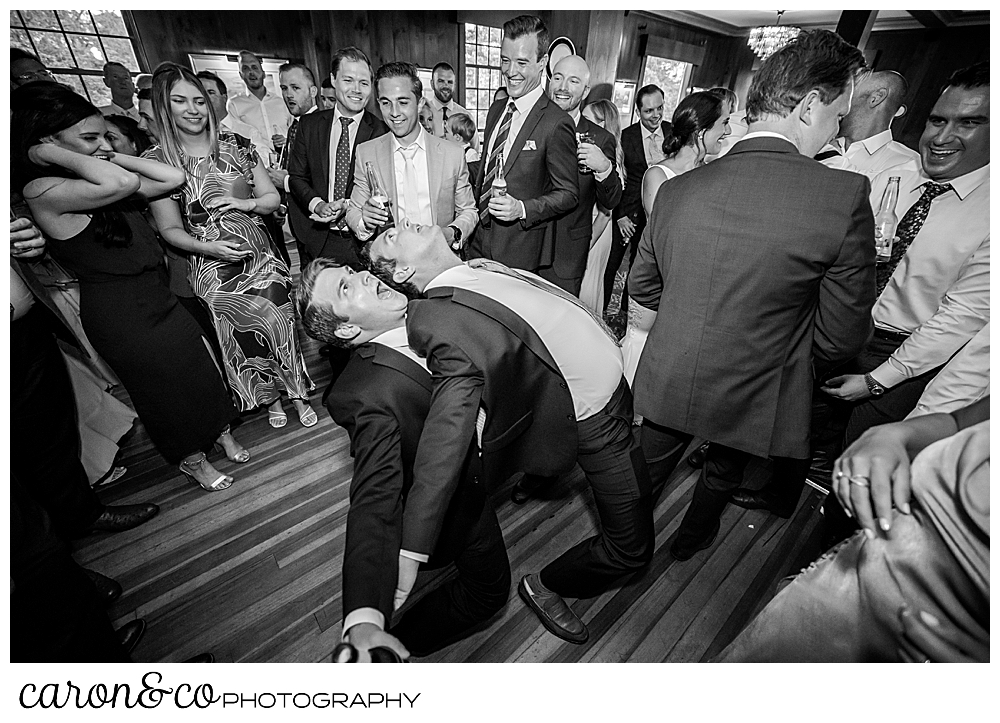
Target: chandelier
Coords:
[(766, 39)]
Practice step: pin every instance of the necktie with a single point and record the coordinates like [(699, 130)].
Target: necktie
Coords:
[(412, 210), (655, 148), (444, 122), (499, 268), (491, 165), (287, 150), (907, 230), (343, 160)]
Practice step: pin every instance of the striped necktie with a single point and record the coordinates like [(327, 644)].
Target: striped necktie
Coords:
[(499, 268), (909, 227), (286, 151), (491, 165)]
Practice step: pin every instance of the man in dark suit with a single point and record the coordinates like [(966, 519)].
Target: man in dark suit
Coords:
[(382, 399), (528, 368), (321, 165), (599, 180), (642, 147), (757, 283), (537, 141)]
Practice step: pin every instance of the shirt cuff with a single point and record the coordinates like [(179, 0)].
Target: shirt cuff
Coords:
[(603, 176), (888, 375), (314, 203), (363, 232), (362, 615), (287, 189), (524, 212), (419, 557)]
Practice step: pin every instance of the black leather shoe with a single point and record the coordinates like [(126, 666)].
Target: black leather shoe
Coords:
[(761, 500), (526, 487), (130, 633), (697, 458), (124, 517), (685, 548), (557, 617), (107, 589), (201, 658)]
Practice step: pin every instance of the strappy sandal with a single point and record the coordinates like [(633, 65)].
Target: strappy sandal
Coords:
[(277, 419), (239, 457), (223, 482), (307, 416)]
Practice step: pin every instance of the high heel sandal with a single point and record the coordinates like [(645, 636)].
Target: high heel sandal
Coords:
[(277, 419), (307, 416), (239, 457), (223, 482)]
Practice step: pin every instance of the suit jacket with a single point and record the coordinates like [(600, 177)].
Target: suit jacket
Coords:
[(574, 229), (544, 177), (635, 167), (309, 177), (481, 353), (755, 282), (382, 399), (452, 201)]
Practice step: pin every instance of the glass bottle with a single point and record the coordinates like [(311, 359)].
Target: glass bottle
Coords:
[(886, 221), (499, 182)]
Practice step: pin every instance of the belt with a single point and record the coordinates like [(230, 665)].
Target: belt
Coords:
[(341, 234), (896, 336)]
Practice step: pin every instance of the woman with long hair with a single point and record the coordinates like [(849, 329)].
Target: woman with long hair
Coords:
[(125, 136), (698, 126), (216, 218), (605, 114), (79, 190)]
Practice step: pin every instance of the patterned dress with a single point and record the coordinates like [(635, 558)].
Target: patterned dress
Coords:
[(251, 301)]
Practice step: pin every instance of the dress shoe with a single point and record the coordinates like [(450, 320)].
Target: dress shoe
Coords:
[(762, 500), (557, 617), (201, 658), (684, 547), (124, 517), (527, 487), (107, 589), (697, 458), (130, 633)]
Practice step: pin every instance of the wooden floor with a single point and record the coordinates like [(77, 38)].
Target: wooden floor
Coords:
[(253, 573)]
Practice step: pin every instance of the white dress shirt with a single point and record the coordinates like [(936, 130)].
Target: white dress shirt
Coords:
[(940, 291), (873, 155), (587, 359), (656, 155), (524, 104), (115, 109), (453, 108), (261, 145), (964, 380), (765, 134), (423, 214), (335, 129), (268, 115)]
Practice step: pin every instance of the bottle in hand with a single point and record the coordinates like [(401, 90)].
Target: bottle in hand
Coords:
[(499, 187), (886, 221)]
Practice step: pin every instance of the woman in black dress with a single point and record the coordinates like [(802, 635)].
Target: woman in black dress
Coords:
[(78, 189)]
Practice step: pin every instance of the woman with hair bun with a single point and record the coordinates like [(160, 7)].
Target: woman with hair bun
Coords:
[(699, 124)]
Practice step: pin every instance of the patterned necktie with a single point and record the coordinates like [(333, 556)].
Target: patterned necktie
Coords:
[(287, 150), (907, 230), (412, 210), (499, 268), (491, 165), (444, 122), (655, 148), (343, 160)]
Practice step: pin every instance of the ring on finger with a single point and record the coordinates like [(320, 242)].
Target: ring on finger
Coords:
[(859, 479), (839, 474)]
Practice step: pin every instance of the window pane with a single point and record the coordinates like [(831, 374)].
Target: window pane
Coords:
[(87, 49), (120, 50), (40, 19), (495, 79), (495, 36), (470, 33), (471, 102), (483, 35), (495, 57), (482, 55), (470, 78), (19, 39), (481, 123), (485, 98), (470, 54), (73, 81), (53, 49), (484, 78), (15, 19), (76, 20), (99, 93), (109, 22)]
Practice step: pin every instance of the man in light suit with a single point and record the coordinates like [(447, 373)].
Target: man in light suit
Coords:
[(599, 182), (382, 399), (322, 161), (426, 178), (538, 145), (758, 283)]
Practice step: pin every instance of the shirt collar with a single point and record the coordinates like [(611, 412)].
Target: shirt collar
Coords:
[(646, 133), (764, 134), (420, 141), (877, 142), (394, 338), (438, 105), (576, 115), (527, 102), (337, 114), (449, 277), (267, 95), (963, 185)]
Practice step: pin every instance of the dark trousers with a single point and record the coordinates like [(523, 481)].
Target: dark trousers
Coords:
[(610, 457), (55, 613), (44, 437), (277, 235), (618, 248), (480, 590), (199, 312)]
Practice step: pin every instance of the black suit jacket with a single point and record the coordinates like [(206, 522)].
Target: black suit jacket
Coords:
[(382, 399), (541, 171), (481, 353), (574, 228), (309, 177), (635, 167)]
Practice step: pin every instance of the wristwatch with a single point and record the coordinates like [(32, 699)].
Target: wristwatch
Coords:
[(457, 243), (874, 388)]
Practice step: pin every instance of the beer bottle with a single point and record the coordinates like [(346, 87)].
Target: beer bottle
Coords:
[(886, 221)]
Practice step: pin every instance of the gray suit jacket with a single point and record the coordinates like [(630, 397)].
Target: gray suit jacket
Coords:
[(452, 201)]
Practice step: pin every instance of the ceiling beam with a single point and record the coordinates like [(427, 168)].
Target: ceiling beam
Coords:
[(701, 21), (933, 18)]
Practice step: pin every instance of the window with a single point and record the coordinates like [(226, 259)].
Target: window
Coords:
[(672, 76), (482, 70), (75, 45)]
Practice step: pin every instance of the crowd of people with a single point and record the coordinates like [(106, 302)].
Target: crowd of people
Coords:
[(461, 291)]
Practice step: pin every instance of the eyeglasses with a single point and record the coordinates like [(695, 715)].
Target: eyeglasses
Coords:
[(42, 74)]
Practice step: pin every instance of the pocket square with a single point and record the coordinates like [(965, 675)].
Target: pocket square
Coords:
[(529, 146)]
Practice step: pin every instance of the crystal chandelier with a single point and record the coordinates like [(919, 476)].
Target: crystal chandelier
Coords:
[(766, 39)]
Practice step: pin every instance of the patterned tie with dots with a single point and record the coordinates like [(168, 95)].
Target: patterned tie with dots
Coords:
[(907, 230), (343, 160)]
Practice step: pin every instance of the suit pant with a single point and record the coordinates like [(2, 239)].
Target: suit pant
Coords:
[(43, 430), (618, 248), (480, 590), (610, 457)]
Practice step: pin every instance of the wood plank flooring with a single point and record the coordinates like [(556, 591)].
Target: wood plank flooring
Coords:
[(253, 573)]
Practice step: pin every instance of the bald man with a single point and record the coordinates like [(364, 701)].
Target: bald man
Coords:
[(598, 177), (865, 144)]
